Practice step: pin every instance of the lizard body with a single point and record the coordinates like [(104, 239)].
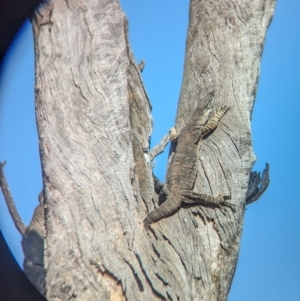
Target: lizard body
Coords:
[(183, 167)]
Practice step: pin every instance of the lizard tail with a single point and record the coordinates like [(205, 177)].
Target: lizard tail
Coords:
[(168, 208)]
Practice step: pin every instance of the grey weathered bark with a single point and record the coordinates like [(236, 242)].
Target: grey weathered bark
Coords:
[(94, 123)]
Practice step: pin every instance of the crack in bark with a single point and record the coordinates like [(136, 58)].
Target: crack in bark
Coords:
[(113, 285), (182, 262), (206, 176), (165, 283), (231, 139), (169, 297), (155, 292), (135, 275), (156, 251), (237, 14)]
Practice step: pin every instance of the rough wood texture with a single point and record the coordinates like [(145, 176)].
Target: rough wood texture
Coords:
[(91, 109), (224, 46), (94, 125)]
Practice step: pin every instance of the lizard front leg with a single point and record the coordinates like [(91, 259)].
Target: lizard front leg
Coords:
[(213, 122)]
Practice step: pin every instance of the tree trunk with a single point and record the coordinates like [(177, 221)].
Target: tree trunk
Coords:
[(94, 124)]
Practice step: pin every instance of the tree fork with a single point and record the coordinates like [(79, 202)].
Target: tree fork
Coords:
[(94, 125)]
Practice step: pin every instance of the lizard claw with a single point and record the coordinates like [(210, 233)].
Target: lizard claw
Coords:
[(222, 200), (223, 109)]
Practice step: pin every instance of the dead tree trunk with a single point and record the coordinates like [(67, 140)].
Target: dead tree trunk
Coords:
[(94, 124)]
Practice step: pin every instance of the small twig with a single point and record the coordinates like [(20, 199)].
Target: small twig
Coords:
[(10, 202), (159, 148)]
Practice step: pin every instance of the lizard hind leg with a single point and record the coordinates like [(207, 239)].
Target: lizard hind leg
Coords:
[(160, 189), (190, 197)]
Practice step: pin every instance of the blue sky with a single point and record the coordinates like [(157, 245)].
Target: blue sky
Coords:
[(269, 263)]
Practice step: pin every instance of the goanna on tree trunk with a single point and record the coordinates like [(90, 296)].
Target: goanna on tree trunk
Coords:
[(94, 124)]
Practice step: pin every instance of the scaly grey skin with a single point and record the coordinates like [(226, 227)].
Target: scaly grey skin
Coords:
[(183, 168)]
